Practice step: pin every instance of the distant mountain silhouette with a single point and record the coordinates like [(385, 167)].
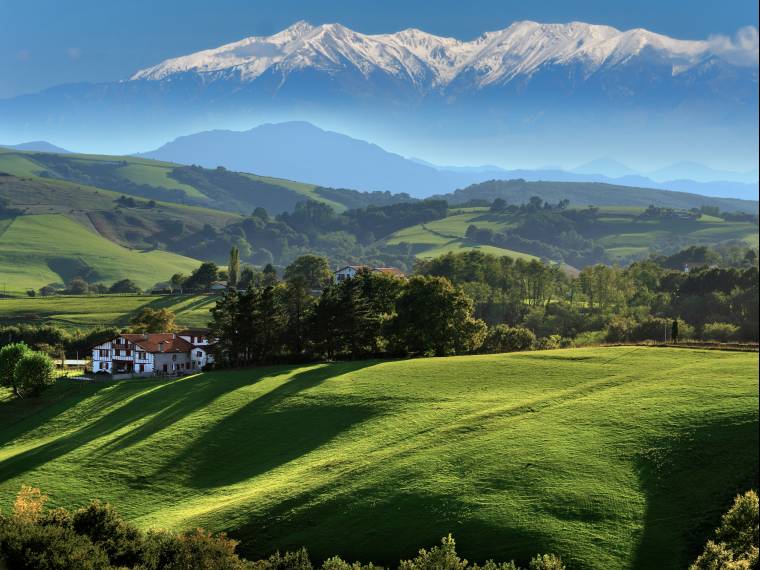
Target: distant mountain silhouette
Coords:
[(37, 146), (298, 150)]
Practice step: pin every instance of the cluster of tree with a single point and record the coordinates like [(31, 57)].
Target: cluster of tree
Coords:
[(618, 304), (53, 340), (369, 315), (80, 286), (97, 537), (129, 202), (24, 370), (549, 231), (6, 210), (656, 212), (736, 539)]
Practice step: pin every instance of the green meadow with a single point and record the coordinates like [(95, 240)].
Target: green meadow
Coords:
[(611, 457), (86, 311), (52, 248)]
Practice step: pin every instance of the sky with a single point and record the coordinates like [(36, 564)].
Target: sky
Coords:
[(50, 42)]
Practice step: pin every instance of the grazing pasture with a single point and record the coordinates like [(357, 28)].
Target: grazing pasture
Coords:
[(611, 457)]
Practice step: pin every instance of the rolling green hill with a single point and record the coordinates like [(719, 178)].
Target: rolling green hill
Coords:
[(75, 311), (613, 458), (622, 231), (37, 250), (237, 192)]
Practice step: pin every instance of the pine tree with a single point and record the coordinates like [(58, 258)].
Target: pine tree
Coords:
[(233, 269)]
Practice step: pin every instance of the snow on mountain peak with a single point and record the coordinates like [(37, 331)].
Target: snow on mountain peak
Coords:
[(431, 61)]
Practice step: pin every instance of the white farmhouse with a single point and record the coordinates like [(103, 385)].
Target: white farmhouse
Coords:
[(350, 271), (145, 354)]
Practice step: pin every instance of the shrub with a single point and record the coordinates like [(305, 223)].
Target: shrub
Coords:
[(121, 541), (590, 338), (721, 332), (546, 562), (736, 539), (10, 354), (34, 373), (503, 338), (619, 329), (652, 328), (549, 342)]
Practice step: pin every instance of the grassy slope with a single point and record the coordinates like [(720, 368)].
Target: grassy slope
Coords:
[(620, 231), (34, 248), (442, 236), (613, 458), (94, 311), (143, 171)]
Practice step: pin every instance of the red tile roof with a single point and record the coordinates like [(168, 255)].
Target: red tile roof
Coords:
[(150, 342)]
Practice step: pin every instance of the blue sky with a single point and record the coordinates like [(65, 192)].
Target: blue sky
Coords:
[(49, 42)]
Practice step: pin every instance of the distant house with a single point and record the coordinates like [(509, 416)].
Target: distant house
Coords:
[(218, 286), (179, 353), (350, 271)]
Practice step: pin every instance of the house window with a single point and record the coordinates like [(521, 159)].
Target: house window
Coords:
[(141, 355), (101, 365), (129, 353), (142, 368), (104, 353), (174, 357), (198, 353)]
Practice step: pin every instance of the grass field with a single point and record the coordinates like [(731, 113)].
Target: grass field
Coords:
[(104, 310), (611, 457), (42, 249), (618, 229)]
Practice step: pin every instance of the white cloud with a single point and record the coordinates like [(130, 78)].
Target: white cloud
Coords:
[(742, 49)]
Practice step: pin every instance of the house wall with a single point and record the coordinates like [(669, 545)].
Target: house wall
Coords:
[(173, 361)]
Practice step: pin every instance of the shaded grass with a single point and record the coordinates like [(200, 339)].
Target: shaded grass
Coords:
[(611, 457)]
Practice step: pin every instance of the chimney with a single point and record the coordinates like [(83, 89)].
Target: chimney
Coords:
[(145, 336), (161, 346), (174, 336)]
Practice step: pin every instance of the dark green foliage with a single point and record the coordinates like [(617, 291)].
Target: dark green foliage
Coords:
[(434, 317), (34, 372), (202, 278), (124, 286), (736, 539), (503, 338), (10, 355), (312, 271)]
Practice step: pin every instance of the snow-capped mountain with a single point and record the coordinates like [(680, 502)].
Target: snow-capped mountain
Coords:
[(532, 92), (427, 61)]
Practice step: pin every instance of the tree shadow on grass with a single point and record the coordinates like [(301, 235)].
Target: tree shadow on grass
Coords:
[(168, 401), (270, 431), (19, 417), (383, 526), (690, 480)]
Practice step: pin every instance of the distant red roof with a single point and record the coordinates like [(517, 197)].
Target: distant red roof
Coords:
[(390, 271), (150, 342)]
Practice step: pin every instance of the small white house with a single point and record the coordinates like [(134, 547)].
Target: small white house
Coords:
[(218, 286), (350, 271), (145, 354)]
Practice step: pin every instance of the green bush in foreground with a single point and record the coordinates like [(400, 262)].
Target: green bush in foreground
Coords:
[(96, 537), (10, 355), (34, 372), (736, 539)]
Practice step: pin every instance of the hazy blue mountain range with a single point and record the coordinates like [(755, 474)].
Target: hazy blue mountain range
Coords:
[(37, 146), (302, 151), (559, 91)]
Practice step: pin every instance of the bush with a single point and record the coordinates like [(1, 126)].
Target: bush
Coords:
[(590, 338), (720, 332), (34, 373), (619, 329), (121, 541), (549, 342), (652, 328), (503, 338), (736, 539), (10, 355)]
